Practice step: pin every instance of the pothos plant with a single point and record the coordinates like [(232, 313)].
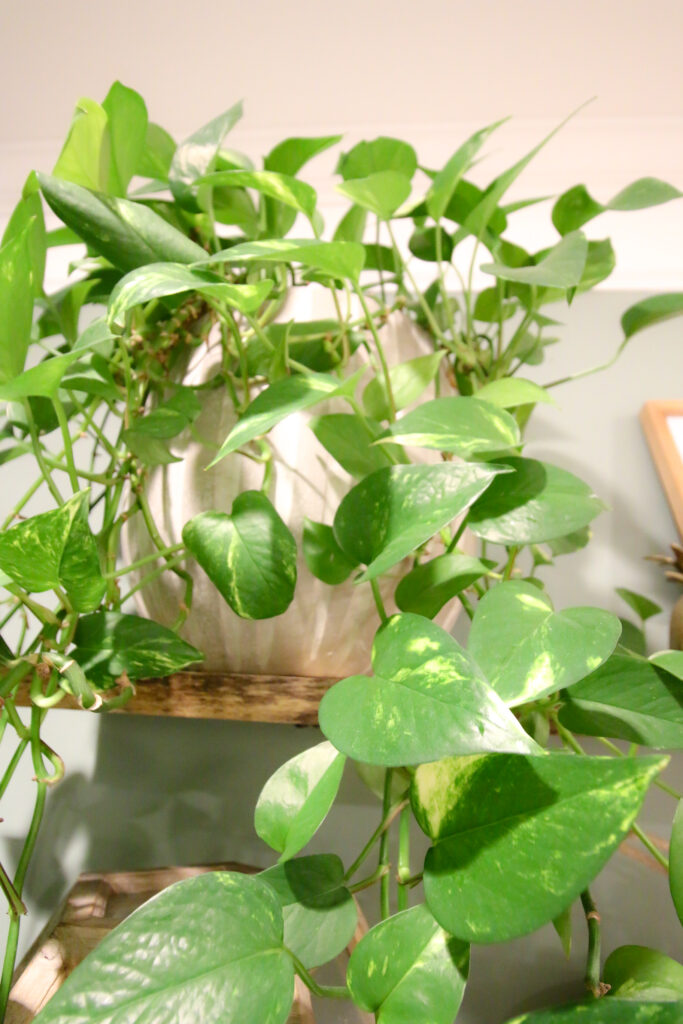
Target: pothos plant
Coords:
[(192, 240)]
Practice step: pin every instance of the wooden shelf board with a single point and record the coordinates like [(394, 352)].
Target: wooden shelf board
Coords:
[(238, 698)]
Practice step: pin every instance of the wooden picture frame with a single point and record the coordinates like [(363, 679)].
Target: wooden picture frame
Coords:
[(662, 423)]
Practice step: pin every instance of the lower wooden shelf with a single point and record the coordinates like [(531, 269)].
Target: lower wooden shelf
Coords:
[(239, 698), (95, 905)]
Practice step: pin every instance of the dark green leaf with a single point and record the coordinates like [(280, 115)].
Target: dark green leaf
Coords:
[(296, 800), (323, 556), (85, 156), (651, 311), (338, 259), (249, 555), (381, 193), (424, 244), (285, 189), (538, 503), (561, 267), (464, 426), (197, 154), (490, 308), (128, 234), (187, 955), (16, 303), (527, 650), (395, 510), (628, 698), (169, 418), (151, 451), (110, 643), (127, 121), (319, 912), (429, 586), (571, 542), (605, 1011), (381, 154), (574, 209), (518, 838), (159, 279), (676, 861), (636, 972), (641, 605), (633, 638), (408, 969), (348, 438), (408, 380), (427, 698)]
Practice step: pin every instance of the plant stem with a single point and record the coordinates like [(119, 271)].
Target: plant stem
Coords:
[(649, 845), (384, 848), (372, 879), (38, 452), (380, 830), (567, 737), (403, 856), (593, 983), (324, 991), (172, 550), (379, 603), (657, 782), (380, 351), (68, 447), (456, 536), (514, 551)]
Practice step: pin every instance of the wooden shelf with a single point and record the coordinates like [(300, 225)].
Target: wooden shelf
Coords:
[(290, 700)]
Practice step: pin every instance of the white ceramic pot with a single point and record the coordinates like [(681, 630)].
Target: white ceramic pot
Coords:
[(327, 630)]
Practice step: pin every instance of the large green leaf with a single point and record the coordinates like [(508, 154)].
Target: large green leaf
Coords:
[(381, 193), (319, 912), (636, 972), (285, 189), (110, 643), (641, 605), (290, 155), (42, 380), (444, 184), (156, 280), (348, 438), (197, 154), (464, 426), (16, 303), (323, 556), (207, 949), (516, 839), (676, 861), (128, 234), (249, 555), (408, 969), (85, 156), (157, 155), (427, 698), (509, 392), (576, 206), (649, 312), (408, 380), (536, 503), (127, 123), (56, 549), (427, 587), (376, 155), (561, 267), (395, 510), (28, 216), (628, 698), (338, 259), (527, 650), (295, 800), (605, 1011)]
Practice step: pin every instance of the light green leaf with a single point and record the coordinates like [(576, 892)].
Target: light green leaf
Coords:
[(169, 418), (628, 698), (16, 303), (605, 1011), (319, 912), (127, 124), (527, 650), (395, 510), (338, 259), (516, 839), (490, 307), (408, 380), (407, 968), (563, 926), (561, 267), (676, 861), (290, 155), (187, 955), (643, 193), (287, 190), (509, 392), (641, 605), (27, 216), (670, 661), (157, 155), (249, 555), (649, 312), (159, 279), (348, 438), (574, 209), (381, 193), (323, 556), (110, 643), (464, 426), (151, 451), (41, 380), (636, 972), (296, 800), (128, 234), (196, 156), (444, 184), (426, 699), (376, 155), (85, 156), (430, 585), (538, 503), (351, 228)]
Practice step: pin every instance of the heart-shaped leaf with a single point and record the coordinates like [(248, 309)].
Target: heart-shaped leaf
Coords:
[(127, 124), (348, 438), (430, 585), (636, 972), (42, 380), (408, 380), (538, 503), (197, 154), (290, 155), (651, 311), (527, 650), (518, 838), (295, 801), (465, 426), (394, 510), (427, 698), (409, 969), (375, 155), (509, 392), (323, 556), (338, 259), (561, 267), (628, 698), (605, 1011), (249, 555), (109, 644), (187, 955), (381, 193), (676, 861), (319, 912)]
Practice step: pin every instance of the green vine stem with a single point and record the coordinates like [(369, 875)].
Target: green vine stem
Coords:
[(324, 991), (594, 985), (380, 351), (403, 856), (385, 908), (384, 824)]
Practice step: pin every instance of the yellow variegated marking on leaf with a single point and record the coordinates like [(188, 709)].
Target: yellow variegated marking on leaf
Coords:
[(439, 783)]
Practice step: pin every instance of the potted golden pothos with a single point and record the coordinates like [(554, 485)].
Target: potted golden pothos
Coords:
[(257, 462)]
